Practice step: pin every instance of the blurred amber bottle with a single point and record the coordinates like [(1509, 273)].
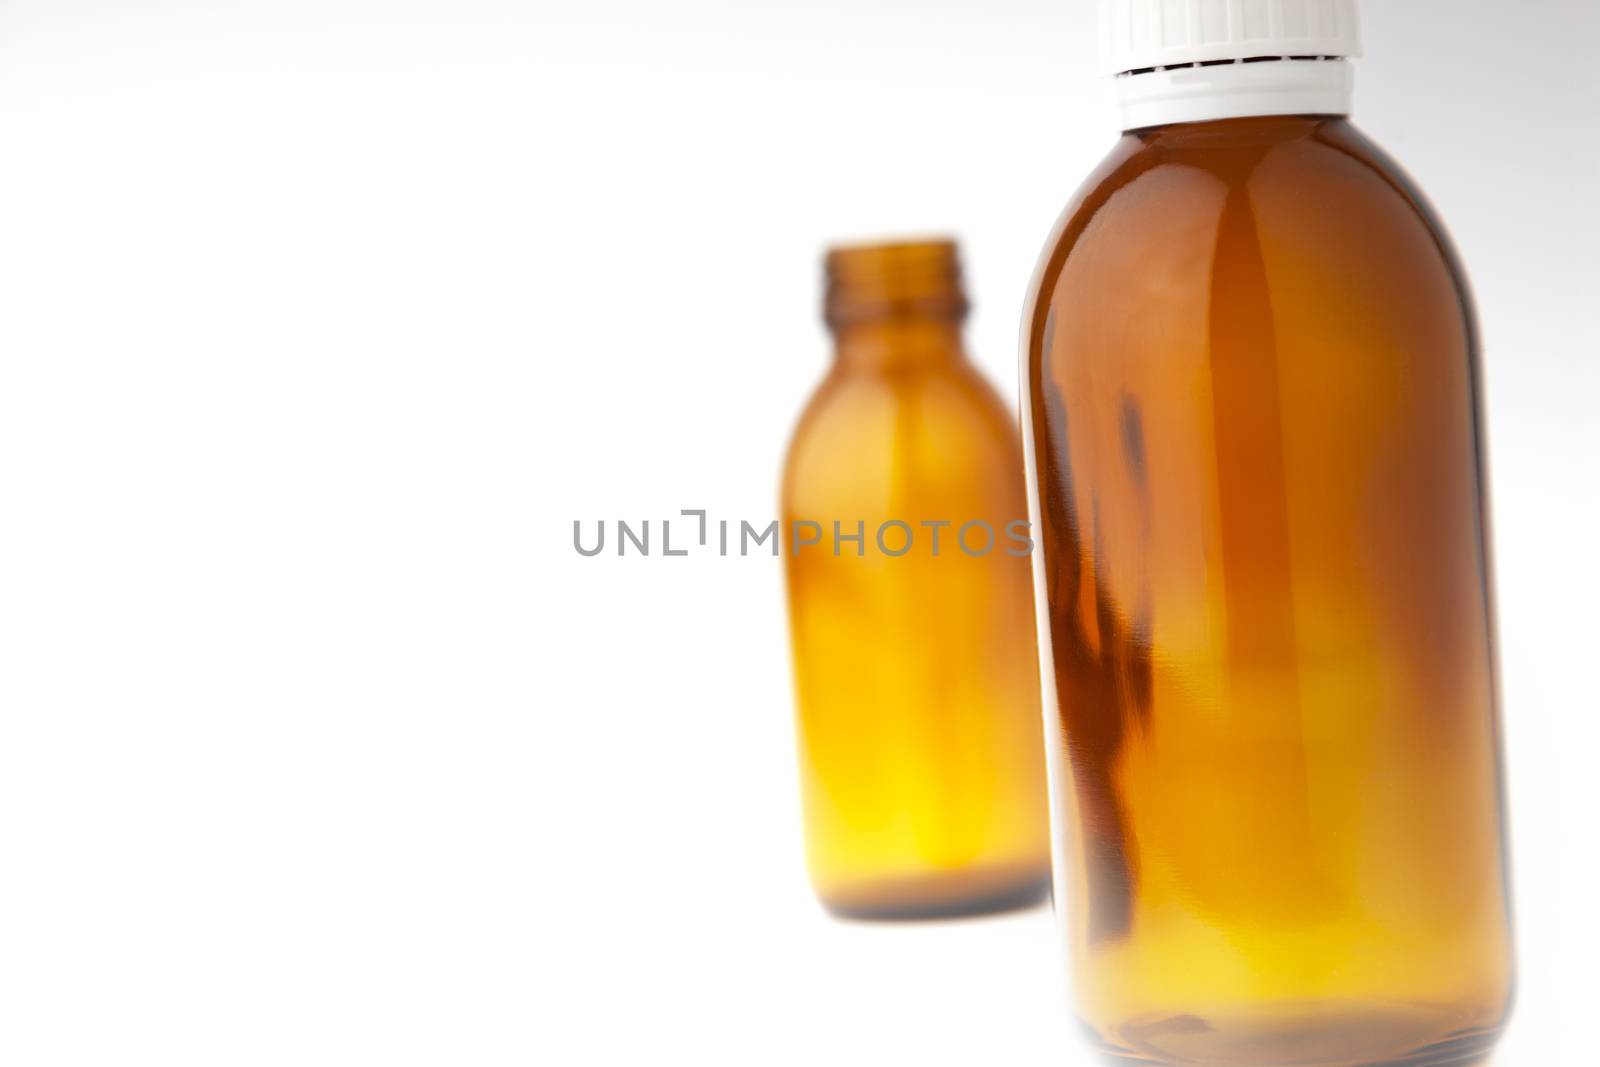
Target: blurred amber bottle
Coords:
[(915, 668), (1251, 372)]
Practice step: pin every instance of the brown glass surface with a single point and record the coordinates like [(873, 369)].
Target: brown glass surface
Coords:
[(1252, 385), (916, 677)]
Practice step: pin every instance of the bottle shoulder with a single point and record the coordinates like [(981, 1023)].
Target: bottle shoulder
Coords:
[(1317, 198), (945, 425), (1300, 226), (958, 392)]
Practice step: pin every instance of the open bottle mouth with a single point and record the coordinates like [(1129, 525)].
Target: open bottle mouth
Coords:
[(897, 279)]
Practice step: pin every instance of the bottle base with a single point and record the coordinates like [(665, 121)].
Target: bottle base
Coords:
[(1304, 1036), (940, 896)]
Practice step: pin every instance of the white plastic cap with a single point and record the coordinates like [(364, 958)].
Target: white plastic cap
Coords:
[(1146, 34), (1197, 60)]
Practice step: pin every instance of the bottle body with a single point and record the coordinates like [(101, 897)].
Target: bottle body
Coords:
[(1251, 387), (915, 669)]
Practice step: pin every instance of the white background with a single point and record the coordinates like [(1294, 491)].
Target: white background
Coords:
[(319, 325)]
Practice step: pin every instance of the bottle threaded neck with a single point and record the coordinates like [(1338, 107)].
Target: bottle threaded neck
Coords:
[(892, 280)]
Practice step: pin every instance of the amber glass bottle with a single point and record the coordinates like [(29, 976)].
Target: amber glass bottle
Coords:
[(1252, 391), (915, 669)]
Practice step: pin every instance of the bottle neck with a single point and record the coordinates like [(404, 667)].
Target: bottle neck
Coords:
[(1233, 89), (895, 305), (898, 344)]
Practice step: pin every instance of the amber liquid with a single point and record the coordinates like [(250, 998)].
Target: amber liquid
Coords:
[(1252, 387), (916, 674)]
